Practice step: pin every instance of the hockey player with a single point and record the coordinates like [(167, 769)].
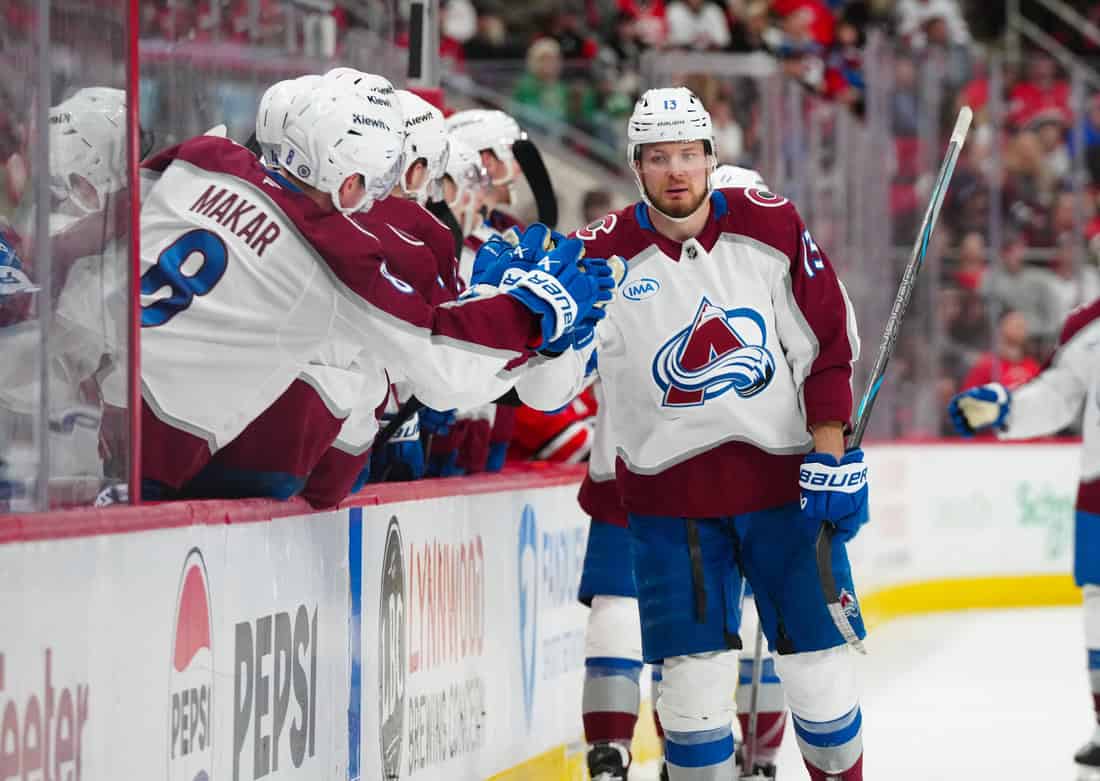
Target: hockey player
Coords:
[(1066, 392), (261, 301), (613, 635), (727, 367), (89, 225), (492, 133)]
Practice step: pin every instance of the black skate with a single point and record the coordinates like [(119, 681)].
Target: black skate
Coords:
[(763, 771), (664, 770), (1088, 762), (608, 761)]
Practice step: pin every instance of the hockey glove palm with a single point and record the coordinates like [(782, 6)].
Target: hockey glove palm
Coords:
[(835, 491), (980, 409)]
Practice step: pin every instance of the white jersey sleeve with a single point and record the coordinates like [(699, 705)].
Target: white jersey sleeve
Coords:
[(1055, 398)]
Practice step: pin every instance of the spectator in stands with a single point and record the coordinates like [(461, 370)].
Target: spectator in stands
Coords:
[(697, 24), (813, 19), (459, 20), (1029, 290), (648, 21), (728, 136), (1076, 280), (1011, 365), (595, 205), (541, 87), (1049, 125), (492, 41), (913, 17), (938, 30), (1043, 88), (972, 256), (1028, 190), (574, 42), (904, 100)]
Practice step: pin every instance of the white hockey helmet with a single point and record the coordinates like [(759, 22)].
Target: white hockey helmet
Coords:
[(471, 181), (274, 108), (425, 138), (736, 176), (669, 114), (360, 81), (87, 139), (333, 133), (487, 129)]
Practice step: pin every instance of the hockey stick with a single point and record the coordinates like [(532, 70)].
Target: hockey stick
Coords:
[(824, 545), (749, 770)]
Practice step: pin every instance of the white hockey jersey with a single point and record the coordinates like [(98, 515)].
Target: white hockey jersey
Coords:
[(1067, 391), (719, 354), (245, 281)]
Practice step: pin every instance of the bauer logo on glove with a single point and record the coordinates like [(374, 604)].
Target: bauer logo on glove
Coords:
[(835, 491)]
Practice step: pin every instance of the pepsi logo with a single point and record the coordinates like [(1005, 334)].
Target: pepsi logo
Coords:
[(190, 729), (641, 289)]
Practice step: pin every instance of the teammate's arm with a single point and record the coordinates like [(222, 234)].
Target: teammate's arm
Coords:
[(1048, 403)]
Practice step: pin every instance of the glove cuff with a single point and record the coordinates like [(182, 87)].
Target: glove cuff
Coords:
[(557, 301)]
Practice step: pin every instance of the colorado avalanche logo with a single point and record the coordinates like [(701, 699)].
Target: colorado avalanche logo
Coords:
[(722, 349)]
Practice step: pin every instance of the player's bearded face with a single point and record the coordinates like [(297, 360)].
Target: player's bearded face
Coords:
[(674, 176)]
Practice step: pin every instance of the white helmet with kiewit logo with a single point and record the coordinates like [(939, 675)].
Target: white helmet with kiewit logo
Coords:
[(490, 129), (333, 133), (669, 114), (425, 138)]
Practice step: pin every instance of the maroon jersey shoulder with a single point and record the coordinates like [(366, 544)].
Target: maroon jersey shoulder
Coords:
[(417, 221), (408, 257), (617, 233), (762, 215), (1078, 319)]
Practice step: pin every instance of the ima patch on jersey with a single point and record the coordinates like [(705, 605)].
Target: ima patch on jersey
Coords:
[(722, 349)]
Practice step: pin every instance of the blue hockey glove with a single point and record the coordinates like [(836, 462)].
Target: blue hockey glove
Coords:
[(835, 491), (563, 295), (491, 261), (580, 337), (435, 422), (980, 409), (13, 279), (512, 250)]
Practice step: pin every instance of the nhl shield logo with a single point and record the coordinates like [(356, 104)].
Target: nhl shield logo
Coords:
[(721, 350), (191, 751)]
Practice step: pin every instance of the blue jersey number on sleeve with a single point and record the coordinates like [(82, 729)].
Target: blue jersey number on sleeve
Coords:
[(213, 258)]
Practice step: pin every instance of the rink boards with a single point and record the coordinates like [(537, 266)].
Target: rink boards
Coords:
[(429, 632)]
